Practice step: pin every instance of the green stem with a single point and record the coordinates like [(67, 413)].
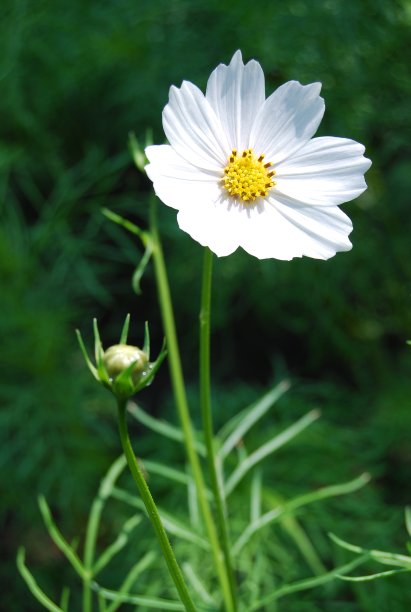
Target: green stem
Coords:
[(206, 413), (87, 601), (152, 511), (179, 391)]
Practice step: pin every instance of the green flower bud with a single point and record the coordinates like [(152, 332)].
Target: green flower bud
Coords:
[(122, 369), (119, 357)]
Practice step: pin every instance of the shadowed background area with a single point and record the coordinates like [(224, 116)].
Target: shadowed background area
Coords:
[(75, 79)]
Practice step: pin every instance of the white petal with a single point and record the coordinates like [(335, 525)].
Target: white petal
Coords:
[(287, 120), (236, 92), (269, 229), (176, 182), (193, 129), (318, 232), (164, 161), (325, 171), (212, 226)]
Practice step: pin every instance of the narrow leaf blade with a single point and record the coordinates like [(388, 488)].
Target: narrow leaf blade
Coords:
[(34, 588), (162, 427), (156, 603), (270, 447), (118, 544), (370, 577), (58, 538), (128, 225), (270, 517), (309, 583), (140, 269), (250, 416)]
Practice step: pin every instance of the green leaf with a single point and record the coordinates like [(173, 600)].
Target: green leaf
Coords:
[(171, 523), (110, 478), (381, 556), (58, 538), (132, 576), (309, 583), (294, 504), (167, 472), (97, 507), (34, 588), (198, 586), (140, 269), (255, 496), (269, 447), (255, 568), (128, 225), (177, 528), (149, 602), (290, 524), (124, 331), (91, 367), (249, 417), (118, 544), (137, 150), (162, 427), (370, 577)]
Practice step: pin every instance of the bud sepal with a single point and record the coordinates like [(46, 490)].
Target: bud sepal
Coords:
[(123, 369)]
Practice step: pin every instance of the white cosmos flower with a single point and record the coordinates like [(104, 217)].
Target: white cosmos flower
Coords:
[(245, 171)]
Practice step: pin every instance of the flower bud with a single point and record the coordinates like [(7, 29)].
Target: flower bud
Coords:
[(119, 357), (122, 369)]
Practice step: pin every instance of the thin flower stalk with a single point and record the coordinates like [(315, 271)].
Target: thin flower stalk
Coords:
[(206, 413), (152, 511), (183, 409)]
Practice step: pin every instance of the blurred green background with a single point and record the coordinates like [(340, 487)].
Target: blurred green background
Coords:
[(75, 78)]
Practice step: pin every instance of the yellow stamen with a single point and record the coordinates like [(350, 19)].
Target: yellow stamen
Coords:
[(246, 177)]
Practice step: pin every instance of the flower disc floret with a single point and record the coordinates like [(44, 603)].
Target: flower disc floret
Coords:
[(247, 177)]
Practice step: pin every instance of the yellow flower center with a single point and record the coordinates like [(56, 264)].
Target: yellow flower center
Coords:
[(247, 177)]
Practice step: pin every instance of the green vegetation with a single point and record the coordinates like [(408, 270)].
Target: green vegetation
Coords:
[(76, 78)]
